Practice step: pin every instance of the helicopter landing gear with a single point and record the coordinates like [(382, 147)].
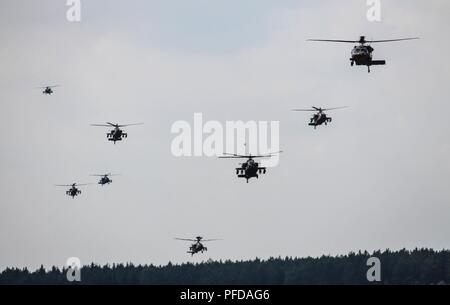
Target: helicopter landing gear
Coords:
[(368, 69), (352, 62)]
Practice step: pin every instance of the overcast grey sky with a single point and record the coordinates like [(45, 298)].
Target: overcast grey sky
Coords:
[(377, 177)]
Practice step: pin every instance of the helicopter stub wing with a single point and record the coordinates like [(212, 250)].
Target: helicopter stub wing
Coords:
[(378, 62)]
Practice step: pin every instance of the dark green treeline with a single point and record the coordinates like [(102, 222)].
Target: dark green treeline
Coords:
[(420, 266)]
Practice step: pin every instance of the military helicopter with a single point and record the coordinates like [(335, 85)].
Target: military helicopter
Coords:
[(362, 54), (197, 246), (105, 178), (48, 89), (320, 117), (116, 134), (250, 168), (73, 191)]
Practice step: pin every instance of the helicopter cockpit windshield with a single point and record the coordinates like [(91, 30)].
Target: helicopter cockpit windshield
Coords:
[(360, 50)]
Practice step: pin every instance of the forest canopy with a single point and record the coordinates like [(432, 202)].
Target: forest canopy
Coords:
[(419, 266)]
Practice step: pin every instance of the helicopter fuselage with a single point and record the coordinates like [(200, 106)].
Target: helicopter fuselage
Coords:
[(197, 247), (362, 56), (73, 191), (116, 135), (319, 119), (250, 169), (104, 180), (47, 91)]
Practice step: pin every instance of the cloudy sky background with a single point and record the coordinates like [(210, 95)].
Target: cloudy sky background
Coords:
[(377, 177)]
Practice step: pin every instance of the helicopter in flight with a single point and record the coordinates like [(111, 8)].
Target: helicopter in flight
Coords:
[(73, 191), (105, 178), (116, 134), (197, 246), (362, 54), (320, 117), (47, 89), (250, 168)]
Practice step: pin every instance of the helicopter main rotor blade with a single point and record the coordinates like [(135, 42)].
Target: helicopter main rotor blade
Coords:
[(320, 109), (232, 156), (101, 125), (391, 40), (43, 87), (334, 40), (235, 156), (185, 239), (76, 184), (203, 240), (335, 108), (102, 175), (130, 124), (263, 156), (109, 124), (268, 155)]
